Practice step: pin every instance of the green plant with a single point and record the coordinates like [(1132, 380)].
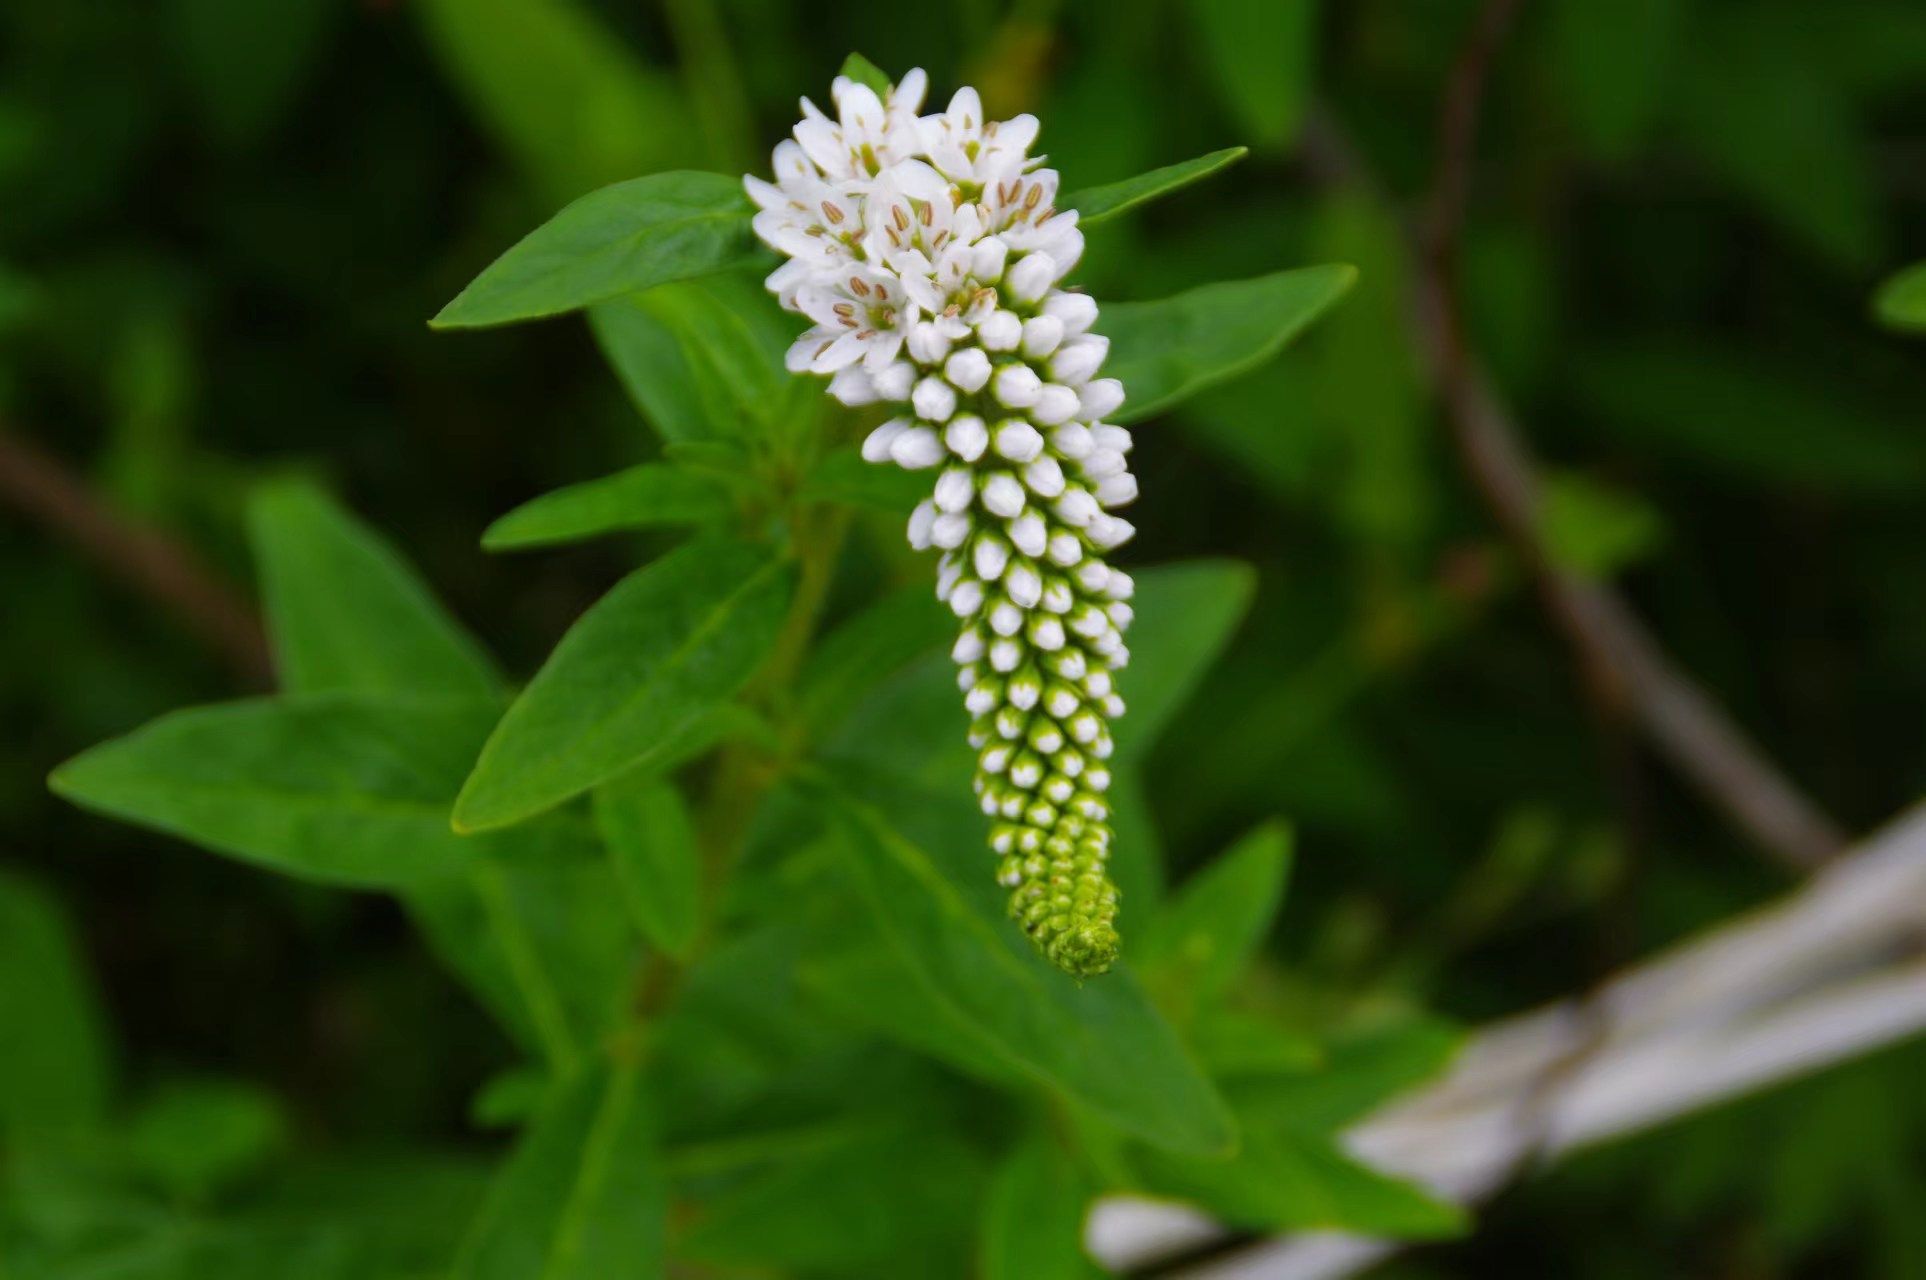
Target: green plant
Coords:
[(712, 869)]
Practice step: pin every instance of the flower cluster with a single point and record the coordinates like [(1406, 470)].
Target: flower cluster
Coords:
[(928, 251)]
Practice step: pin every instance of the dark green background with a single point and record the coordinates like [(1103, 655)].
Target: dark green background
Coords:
[(223, 224)]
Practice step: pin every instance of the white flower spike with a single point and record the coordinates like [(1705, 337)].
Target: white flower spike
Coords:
[(929, 252)]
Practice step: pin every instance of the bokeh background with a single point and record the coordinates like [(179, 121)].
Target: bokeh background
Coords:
[(223, 224)]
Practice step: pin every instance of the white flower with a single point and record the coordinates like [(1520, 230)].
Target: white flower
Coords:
[(861, 313), (928, 254), (966, 148)]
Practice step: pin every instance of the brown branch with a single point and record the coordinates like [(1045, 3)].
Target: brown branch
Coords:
[(153, 565), (1625, 670)]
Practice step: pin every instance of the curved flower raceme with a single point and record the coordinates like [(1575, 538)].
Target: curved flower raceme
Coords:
[(928, 251)]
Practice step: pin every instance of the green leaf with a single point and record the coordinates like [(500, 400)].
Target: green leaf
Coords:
[(1186, 614), (1033, 1217), (1099, 204), (55, 1072), (562, 94), (1101, 1044), (1594, 531), (863, 71), (583, 1196), (866, 650), (703, 360), (1299, 1182), (1360, 1072), (652, 844), (338, 788), (847, 1210), (651, 494), (869, 986), (1901, 301), (1204, 939), (195, 1137), (1614, 60), (843, 476), (538, 931), (1169, 350), (1263, 57), (665, 647), (345, 613), (621, 239)]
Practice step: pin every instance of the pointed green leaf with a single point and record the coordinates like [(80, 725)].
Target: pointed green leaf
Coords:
[(1100, 1043), (621, 239), (339, 788), (703, 360), (651, 494), (843, 476), (869, 986), (664, 648), (1901, 301), (346, 613), (869, 648), (1099, 204), (1186, 614), (1299, 1182), (1360, 1072), (848, 1211), (55, 1071), (537, 931), (1169, 350), (1033, 1217), (652, 845), (583, 1196), (1207, 934), (863, 71)]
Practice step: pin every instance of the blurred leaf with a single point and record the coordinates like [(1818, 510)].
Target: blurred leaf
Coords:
[(642, 667), (703, 359), (1361, 1071), (196, 1137), (1901, 301), (55, 1070), (508, 1098), (337, 788), (1169, 350), (1299, 1182), (650, 494), (1033, 1217), (844, 1210), (1263, 58), (1099, 204), (1100, 1043), (874, 645), (652, 844), (1614, 60), (1762, 113), (868, 985), (569, 103), (863, 71), (620, 239), (1745, 418), (1205, 937), (246, 62), (1593, 531), (1235, 1045), (538, 931), (1186, 613), (843, 477), (346, 613), (583, 1196)]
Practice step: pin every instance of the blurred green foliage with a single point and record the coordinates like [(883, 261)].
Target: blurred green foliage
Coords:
[(223, 227)]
